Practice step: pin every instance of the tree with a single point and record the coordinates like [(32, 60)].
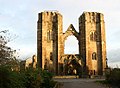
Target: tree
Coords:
[(7, 55)]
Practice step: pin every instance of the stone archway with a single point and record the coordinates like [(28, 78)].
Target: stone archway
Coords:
[(71, 45), (70, 31), (72, 65)]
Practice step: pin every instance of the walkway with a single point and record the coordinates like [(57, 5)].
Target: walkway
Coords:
[(79, 83)]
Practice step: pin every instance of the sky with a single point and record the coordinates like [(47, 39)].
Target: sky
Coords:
[(20, 18)]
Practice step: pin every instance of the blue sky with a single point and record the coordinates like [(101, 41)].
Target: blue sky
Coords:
[(20, 18)]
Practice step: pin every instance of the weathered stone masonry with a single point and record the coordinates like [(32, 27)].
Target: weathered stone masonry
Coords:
[(91, 38), (93, 41), (49, 43)]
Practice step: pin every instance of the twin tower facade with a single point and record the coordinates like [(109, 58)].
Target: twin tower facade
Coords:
[(91, 42)]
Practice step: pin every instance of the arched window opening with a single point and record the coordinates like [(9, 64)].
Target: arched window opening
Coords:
[(94, 56), (93, 36), (49, 36), (51, 56), (71, 45)]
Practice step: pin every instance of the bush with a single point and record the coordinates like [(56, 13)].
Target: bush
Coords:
[(30, 78), (9, 79), (46, 79), (37, 78), (113, 77)]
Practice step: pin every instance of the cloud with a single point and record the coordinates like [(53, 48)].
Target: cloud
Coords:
[(114, 64), (113, 55), (20, 17)]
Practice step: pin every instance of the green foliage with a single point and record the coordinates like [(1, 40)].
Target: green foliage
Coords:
[(46, 79), (9, 78), (4, 77), (113, 77), (30, 78)]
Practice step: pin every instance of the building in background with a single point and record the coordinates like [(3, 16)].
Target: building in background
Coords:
[(29, 63)]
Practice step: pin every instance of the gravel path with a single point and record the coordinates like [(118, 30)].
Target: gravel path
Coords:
[(80, 83)]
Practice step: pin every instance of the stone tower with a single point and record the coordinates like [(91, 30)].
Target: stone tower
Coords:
[(49, 34), (93, 42)]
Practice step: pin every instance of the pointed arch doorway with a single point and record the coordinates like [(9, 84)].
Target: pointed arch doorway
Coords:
[(72, 60)]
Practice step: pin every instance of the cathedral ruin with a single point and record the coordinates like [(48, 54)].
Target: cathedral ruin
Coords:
[(91, 41)]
